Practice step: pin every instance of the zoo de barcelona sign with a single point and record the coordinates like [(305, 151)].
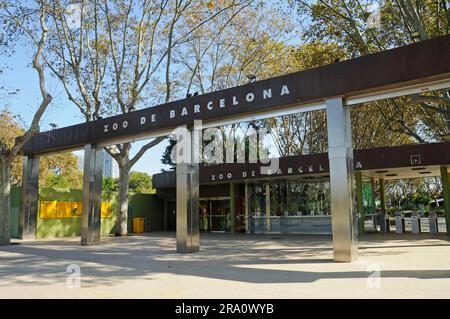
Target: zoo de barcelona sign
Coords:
[(173, 113)]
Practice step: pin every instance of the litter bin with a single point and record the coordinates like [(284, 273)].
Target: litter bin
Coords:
[(433, 220), (383, 221), (138, 225), (415, 223), (399, 223)]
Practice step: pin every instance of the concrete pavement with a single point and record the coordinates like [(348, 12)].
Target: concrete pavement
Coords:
[(239, 266)]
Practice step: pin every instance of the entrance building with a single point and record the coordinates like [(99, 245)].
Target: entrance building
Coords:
[(415, 68), (297, 197), (282, 206)]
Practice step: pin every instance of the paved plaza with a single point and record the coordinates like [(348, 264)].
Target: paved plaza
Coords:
[(228, 266)]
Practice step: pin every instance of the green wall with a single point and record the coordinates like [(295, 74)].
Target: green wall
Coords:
[(69, 227), (141, 205), (15, 204), (146, 205)]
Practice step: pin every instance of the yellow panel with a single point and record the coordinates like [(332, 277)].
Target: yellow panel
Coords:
[(106, 210), (48, 209), (64, 210), (77, 209)]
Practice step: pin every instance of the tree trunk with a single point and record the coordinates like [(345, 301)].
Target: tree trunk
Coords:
[(5, 205), (122, 219), (413, 18)]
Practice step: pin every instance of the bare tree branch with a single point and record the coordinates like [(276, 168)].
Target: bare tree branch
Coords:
[(145, 148), (431, 99), (46, 97)]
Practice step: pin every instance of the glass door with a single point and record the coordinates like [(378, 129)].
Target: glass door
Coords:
[(204, 215), (219, 215), (214, 215)]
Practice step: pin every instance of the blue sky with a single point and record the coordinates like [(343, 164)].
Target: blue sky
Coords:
[(22, 76)]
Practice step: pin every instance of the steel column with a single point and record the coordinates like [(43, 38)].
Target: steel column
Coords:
[(246, 204), (340, 154), (233, 207), (92, 195), (268, 226), (445, 179), (360, 201), (29, 198), (187, 171)]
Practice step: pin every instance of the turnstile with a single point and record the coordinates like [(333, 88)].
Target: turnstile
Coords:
[(399, 223), (433, 221), (415, 223), (383, 221)]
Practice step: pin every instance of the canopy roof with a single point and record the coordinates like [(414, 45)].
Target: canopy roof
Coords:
[(395, 162)]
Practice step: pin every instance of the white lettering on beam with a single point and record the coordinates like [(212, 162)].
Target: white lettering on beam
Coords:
[(184, 111)]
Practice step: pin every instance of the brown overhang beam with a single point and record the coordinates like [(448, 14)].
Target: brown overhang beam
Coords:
[(417, 63), (416, 155)]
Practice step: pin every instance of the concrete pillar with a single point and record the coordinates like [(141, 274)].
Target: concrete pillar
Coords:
[(360, 201), (188, 231), (268, 227), (29, 198), (445, 179), (246, 204), (92, 195), (288, 198), (232, 207), (340, 154), (383, 195)]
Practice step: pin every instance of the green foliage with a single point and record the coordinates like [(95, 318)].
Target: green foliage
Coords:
[(363, 27), (167, 155), (413, 193), (60, 171), (109, 185), (57, 170), (138, 183), (62, 181), (9, 130), (141, 183)]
